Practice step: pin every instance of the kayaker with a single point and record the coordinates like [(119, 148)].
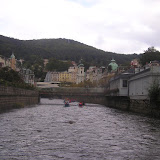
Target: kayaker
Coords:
[(80, 104)]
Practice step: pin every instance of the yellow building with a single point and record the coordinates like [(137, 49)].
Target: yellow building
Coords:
[(73, 73), (64, 77)]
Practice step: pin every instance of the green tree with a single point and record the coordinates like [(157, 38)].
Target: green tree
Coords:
[(154, 92), (12, 78), (109, 68), (150, 54), (57, 65), (10, 75)]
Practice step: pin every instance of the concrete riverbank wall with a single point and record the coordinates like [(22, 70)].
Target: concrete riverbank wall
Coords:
[(140, 106), (97, 96), (11, 97)]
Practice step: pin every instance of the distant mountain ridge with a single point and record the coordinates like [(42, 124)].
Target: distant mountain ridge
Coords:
[(62, 49)]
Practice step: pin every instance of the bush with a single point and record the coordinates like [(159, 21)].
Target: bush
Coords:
[(154, 92), (9, 77), (18, 105)]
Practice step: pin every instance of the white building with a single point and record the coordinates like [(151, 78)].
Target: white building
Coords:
[(51, 76), (135, 85), (48, 77), (28, 76), (141, 82), (80, 74), (118, 85)]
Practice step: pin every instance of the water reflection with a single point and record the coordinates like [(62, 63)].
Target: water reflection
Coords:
[(50, 131)]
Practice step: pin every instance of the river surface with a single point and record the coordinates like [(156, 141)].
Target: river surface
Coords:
[(50, 131)]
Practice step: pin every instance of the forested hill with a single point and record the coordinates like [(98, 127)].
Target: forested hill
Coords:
[(62, 49)]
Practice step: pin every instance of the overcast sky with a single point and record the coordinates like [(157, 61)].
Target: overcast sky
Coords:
[(120, 26)]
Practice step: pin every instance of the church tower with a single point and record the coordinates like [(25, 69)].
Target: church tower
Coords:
[(113, 66), (13, 62), (80, 73)]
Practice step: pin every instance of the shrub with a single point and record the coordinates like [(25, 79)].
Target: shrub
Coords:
[(18, 105), (154, 92)]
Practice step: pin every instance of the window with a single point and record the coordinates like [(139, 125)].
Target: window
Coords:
[(124, 83)]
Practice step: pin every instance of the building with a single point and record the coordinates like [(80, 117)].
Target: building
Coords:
[(140, 82), (45, 62), (4, 62), (51, 77), (135, 63), (70, 76), (28, 76), (94, 74), (80, 74), (118, 85), (89, 73), (73, 70), (76, 74), (13, 62), (134, 84), (113, 66), (48, 77), (64, 77)]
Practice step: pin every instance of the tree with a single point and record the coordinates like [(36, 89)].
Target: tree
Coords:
[(109, 68), (10, 75), (150, 54), (154, 92), (58, 65), (151, 50), (12, 78)]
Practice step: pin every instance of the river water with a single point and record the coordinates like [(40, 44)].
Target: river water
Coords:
[(50, 131)]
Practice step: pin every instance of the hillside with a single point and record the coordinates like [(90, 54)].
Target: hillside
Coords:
[(62, 49)]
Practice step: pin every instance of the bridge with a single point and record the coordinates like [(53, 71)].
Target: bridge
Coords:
[(88, 95)]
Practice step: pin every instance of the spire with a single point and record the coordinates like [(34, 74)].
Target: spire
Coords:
[(80, 63)]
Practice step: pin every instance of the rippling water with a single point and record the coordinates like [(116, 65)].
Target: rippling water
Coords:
[(50, 131)]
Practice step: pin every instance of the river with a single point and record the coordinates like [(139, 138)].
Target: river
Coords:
[(50, 131)]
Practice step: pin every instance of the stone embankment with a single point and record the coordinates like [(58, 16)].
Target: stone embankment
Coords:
[(141, 106), (11, 97)]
